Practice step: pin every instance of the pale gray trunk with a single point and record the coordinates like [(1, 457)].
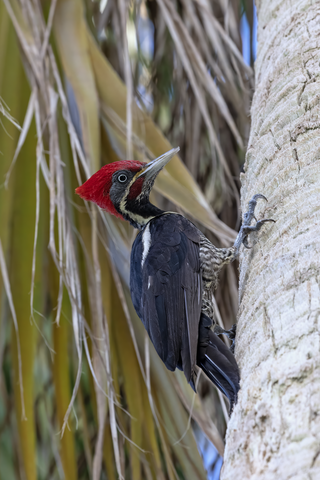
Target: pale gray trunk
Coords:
[(274, 432)]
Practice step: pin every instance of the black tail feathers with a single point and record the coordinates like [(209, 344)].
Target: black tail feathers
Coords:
[(217, 362)]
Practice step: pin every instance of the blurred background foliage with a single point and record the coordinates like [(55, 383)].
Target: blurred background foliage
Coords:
[(84, 83)]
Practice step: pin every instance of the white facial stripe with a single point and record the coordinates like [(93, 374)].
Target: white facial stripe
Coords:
[(125, 196), (138, 219), (146, 242)]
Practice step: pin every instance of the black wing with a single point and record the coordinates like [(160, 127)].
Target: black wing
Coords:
[(166, 289)]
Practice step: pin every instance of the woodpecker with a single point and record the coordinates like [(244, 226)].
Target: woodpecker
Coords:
[(173, 272)]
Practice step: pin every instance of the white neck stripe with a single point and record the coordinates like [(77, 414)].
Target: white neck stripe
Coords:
[(146, 242)]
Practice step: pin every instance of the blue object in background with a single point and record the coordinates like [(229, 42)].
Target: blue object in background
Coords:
[(212, 461), (245, 37), (249, 44), (254, 33)]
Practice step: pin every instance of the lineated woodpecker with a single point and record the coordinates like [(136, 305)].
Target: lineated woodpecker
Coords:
[(174, 271)]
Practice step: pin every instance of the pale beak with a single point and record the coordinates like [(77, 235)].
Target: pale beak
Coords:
[(151, 170)]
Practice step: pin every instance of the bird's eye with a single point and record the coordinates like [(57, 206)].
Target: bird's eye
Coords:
[(122, 178)]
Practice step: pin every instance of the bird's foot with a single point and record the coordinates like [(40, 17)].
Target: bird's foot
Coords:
[(231, 334), (246, 228)]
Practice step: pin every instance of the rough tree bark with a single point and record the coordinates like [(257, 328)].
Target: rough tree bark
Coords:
[(274, 432)]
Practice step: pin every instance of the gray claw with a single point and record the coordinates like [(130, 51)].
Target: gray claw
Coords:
[(232, 332), (249, 215), (246, 228), (264, 220), (232, 337), (246, 244), (258, 225), (256, 196)]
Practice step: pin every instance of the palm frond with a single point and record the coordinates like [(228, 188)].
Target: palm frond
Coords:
[(86, 93)]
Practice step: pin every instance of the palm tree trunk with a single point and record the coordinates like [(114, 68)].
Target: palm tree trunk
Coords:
[(274, 432)]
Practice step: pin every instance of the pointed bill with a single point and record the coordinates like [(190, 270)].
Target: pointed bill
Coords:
[(153, 168)]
